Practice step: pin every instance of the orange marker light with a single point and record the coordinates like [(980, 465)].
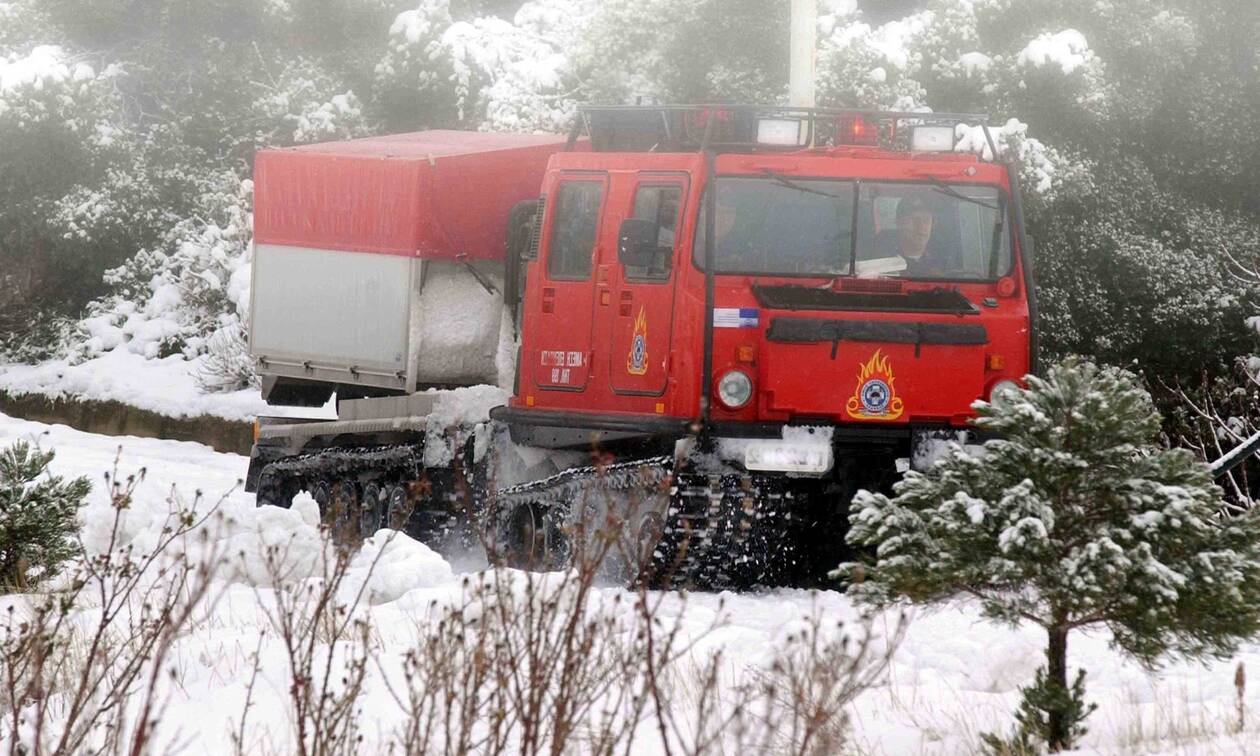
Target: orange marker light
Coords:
[(746, 353), (995, 362), (529, 400)]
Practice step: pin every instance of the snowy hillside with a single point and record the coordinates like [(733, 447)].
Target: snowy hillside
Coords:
[(953, 676)]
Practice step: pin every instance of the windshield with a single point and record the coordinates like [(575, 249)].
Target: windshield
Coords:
[(786, 226)]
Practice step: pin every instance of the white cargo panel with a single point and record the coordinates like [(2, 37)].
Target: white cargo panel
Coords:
[(378, 320), (332, 308)]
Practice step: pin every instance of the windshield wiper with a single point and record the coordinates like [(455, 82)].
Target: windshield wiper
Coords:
[(945, 188), (790, 184)]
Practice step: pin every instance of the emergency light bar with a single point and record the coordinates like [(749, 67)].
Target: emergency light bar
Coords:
[(747, 128)]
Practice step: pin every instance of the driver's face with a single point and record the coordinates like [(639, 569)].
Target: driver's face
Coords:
[(913, 231)]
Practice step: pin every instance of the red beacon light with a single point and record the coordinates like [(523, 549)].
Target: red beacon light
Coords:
[(697, 122), (857, 130)]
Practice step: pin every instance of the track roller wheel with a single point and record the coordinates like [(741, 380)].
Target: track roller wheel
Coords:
[(344, 514), (321, 492), (273, 493), (372, 509), (529, 541), (398, 507)]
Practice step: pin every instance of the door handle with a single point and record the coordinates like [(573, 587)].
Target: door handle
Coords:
[(626, 304)]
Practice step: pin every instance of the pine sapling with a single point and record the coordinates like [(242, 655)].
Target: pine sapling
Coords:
[(1073, 516), (38, 515)]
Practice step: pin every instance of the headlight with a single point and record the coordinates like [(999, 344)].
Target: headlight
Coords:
[(1003, 389), (735, 389)]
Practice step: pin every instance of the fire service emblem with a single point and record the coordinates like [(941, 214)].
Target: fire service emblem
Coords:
[(636, 363), (875, 397)]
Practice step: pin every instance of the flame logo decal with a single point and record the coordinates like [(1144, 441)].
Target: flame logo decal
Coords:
[(875, 397), (636, 362)]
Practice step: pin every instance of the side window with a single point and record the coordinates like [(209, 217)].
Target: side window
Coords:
[(659, 204), (574, 228)]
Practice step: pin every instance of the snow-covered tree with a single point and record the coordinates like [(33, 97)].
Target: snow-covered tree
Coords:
[(1073, 517), (55, 114), (38, 515)]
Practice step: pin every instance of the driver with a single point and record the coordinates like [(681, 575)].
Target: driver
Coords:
[(914, 232)]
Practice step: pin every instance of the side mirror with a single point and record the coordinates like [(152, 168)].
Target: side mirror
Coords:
[(637, 242)]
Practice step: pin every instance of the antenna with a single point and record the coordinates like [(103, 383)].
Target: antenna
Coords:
[(804, 41)]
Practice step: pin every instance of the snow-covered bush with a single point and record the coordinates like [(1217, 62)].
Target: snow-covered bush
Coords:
[(228, 365), (172, 299), (1075, 517), (303, 104), (38, 516), (1130, 272), (483, 71), (416, 82)]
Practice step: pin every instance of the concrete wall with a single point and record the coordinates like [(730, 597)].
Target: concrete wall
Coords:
[(116, 419)]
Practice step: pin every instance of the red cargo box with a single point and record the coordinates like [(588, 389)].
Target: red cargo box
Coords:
[(431, 194)]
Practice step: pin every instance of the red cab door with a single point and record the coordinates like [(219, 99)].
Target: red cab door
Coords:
[(642, 301), (562, 357)]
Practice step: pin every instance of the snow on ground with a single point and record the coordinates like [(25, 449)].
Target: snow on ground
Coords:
[(953, 676), (166, 386)]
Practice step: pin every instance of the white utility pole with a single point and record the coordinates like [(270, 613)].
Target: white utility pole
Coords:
[(804, 41)]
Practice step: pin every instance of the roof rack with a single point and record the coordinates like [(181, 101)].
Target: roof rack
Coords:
[(733, 128)]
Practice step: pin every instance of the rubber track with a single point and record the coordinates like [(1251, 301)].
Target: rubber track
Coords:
[(334, 463), (720, 531)]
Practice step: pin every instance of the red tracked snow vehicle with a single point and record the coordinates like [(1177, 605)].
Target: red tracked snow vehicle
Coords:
[(747, 312)]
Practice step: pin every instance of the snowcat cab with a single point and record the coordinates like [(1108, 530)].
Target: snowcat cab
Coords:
[(785, 300)]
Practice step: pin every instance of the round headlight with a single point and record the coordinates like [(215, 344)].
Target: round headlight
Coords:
[(1002, 390), (735, 389)]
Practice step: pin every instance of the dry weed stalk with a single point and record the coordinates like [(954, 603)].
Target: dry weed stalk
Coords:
[(312, 620), (813, 678), (67, 683)]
